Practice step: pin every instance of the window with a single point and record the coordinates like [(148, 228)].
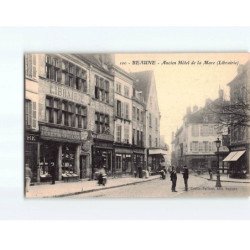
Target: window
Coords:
[(134, 137), (102, 89), (156, 124), (30, 65), (200, 147), (28, 113), (150, 141), (101, 123), (195, 146), (118, 88), (156, 142), (205, 146), (53, 69), (126, 134), (118, 133), (150, 120), (141, 144), (138, 114), (195, 130), (134, 114), (138, 137), (126, 110), (118, 108), (126, 91), (66, 73), (204, 130), (142, 119), (65, 113)]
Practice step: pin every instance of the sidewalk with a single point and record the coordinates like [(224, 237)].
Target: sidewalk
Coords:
[(66, 189), (224, 178)]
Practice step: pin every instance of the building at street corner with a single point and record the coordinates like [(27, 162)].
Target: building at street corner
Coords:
[(239, 156), (123, 151), (145, 82), (194, 142), (57, 110)]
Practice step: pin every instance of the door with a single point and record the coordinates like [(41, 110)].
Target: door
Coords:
[(83, 166)]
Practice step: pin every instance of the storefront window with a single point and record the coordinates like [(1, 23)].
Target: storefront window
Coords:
[(68, 157)]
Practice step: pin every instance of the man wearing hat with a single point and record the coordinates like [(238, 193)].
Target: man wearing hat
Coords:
[(173, 177), (185, 177)]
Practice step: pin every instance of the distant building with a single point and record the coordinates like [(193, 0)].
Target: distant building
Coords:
[(194, 142)]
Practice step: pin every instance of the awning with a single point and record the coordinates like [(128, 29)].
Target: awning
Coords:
[(157, 151), (234, 156)]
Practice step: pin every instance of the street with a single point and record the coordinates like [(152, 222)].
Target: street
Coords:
[(198, 188)]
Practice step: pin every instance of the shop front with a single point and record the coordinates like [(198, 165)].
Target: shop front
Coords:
[(32, 154), (138, 161), (123, 159), (59, 148), (156, 158), (102, 153), (238, 162)]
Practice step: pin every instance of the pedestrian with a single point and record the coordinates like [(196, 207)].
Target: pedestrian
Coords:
[(173, 177), (28, 177), (185, 177), (53, 172), (210, 173)]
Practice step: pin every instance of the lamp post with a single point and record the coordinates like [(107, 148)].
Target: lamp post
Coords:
[(218, 143)]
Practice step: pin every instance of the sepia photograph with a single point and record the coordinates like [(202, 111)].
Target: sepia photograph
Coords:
[(136, 125)]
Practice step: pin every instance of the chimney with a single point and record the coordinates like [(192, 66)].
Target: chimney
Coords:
[(195, 108)]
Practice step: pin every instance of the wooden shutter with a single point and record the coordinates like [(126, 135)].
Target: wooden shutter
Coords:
[(34, 115)]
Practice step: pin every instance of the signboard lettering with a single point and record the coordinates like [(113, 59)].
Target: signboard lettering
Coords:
[(65, 93), (47, 132)]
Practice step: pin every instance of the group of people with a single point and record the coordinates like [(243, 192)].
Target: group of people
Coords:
[(173, 178)]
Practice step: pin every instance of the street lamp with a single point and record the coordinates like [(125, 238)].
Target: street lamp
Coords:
[(94, 136), (218, 143)]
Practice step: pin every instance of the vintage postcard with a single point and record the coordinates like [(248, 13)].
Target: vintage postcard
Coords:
[(160, 125)]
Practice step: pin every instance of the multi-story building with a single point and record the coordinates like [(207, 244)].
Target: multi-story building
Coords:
[(57, 114), (194, 142), (83, 112), (239, 157), (145, 82), (138, 126), (69, 114), (123, 83)]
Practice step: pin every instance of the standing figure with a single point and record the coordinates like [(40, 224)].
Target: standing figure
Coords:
[(173, 177), (28, 177), (53, 172), (185, 177)]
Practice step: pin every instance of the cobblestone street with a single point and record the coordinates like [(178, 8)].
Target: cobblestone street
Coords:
[(198, 188)]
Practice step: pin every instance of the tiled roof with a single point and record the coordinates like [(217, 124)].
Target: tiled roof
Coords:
[(142, 82)]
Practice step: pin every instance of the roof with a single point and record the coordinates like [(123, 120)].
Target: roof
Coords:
[(143, 82)]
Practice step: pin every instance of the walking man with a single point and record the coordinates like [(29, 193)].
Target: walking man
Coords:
[(185, 177), (173, 177)]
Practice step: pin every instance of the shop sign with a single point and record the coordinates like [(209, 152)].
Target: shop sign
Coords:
[(55, 133), (67, 93), (106, 137), (31, 138)]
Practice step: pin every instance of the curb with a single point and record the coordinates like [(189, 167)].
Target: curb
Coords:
[(248, 182), (95, 189)]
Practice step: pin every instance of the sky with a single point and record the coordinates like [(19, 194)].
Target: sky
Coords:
[(184, 79)]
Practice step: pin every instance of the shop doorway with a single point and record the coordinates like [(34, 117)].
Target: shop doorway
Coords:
[(83, 166)]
